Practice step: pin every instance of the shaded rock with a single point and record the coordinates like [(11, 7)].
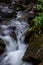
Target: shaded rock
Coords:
[(8, 15), (7, 1), (41, 63), (27, 37), (30, 1), (4, 21), (12, 27), (13, 35), (34, 51), (2, 46), (34, 61)]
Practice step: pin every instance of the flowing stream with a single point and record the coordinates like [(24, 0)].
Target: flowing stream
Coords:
[(15, 49)]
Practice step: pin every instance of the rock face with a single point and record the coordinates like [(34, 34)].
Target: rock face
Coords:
[(34, 51), (2, 46)]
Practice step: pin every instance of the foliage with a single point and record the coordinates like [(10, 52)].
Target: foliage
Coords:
[(38, 7), (38, 20), (37, 24), (41, 1)]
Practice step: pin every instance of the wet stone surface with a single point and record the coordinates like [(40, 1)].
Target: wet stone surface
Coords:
[(2, 46)]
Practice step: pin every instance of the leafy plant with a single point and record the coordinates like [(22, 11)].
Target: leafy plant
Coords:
[(37, 24), (38, 7)]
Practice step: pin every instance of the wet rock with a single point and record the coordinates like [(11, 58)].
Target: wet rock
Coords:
[(12, 27), (2, 46), (27, 14), (4, 20), (13, 35), (34, 51), (8, 15), (6, 12), (12, 6)]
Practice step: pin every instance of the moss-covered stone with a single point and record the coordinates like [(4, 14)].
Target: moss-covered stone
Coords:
[(35, 48)]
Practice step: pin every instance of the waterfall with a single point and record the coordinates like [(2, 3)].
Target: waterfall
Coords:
[(15, 49)]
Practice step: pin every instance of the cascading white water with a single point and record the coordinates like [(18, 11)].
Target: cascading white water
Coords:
[(15, 50)]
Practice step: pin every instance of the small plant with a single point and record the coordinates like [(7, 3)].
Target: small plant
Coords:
[(38, 20), (37, 24), (38, 7)]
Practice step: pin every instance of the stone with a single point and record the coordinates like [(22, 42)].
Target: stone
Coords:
[(7, 15), (34, 51), (13, 35), (2, 46)]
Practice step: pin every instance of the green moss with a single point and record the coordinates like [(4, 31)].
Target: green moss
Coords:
[(35, 48)]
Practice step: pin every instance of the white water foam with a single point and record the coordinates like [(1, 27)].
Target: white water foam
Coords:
[(14, 56)]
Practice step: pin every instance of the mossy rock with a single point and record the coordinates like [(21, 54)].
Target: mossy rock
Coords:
[(35, 48)]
